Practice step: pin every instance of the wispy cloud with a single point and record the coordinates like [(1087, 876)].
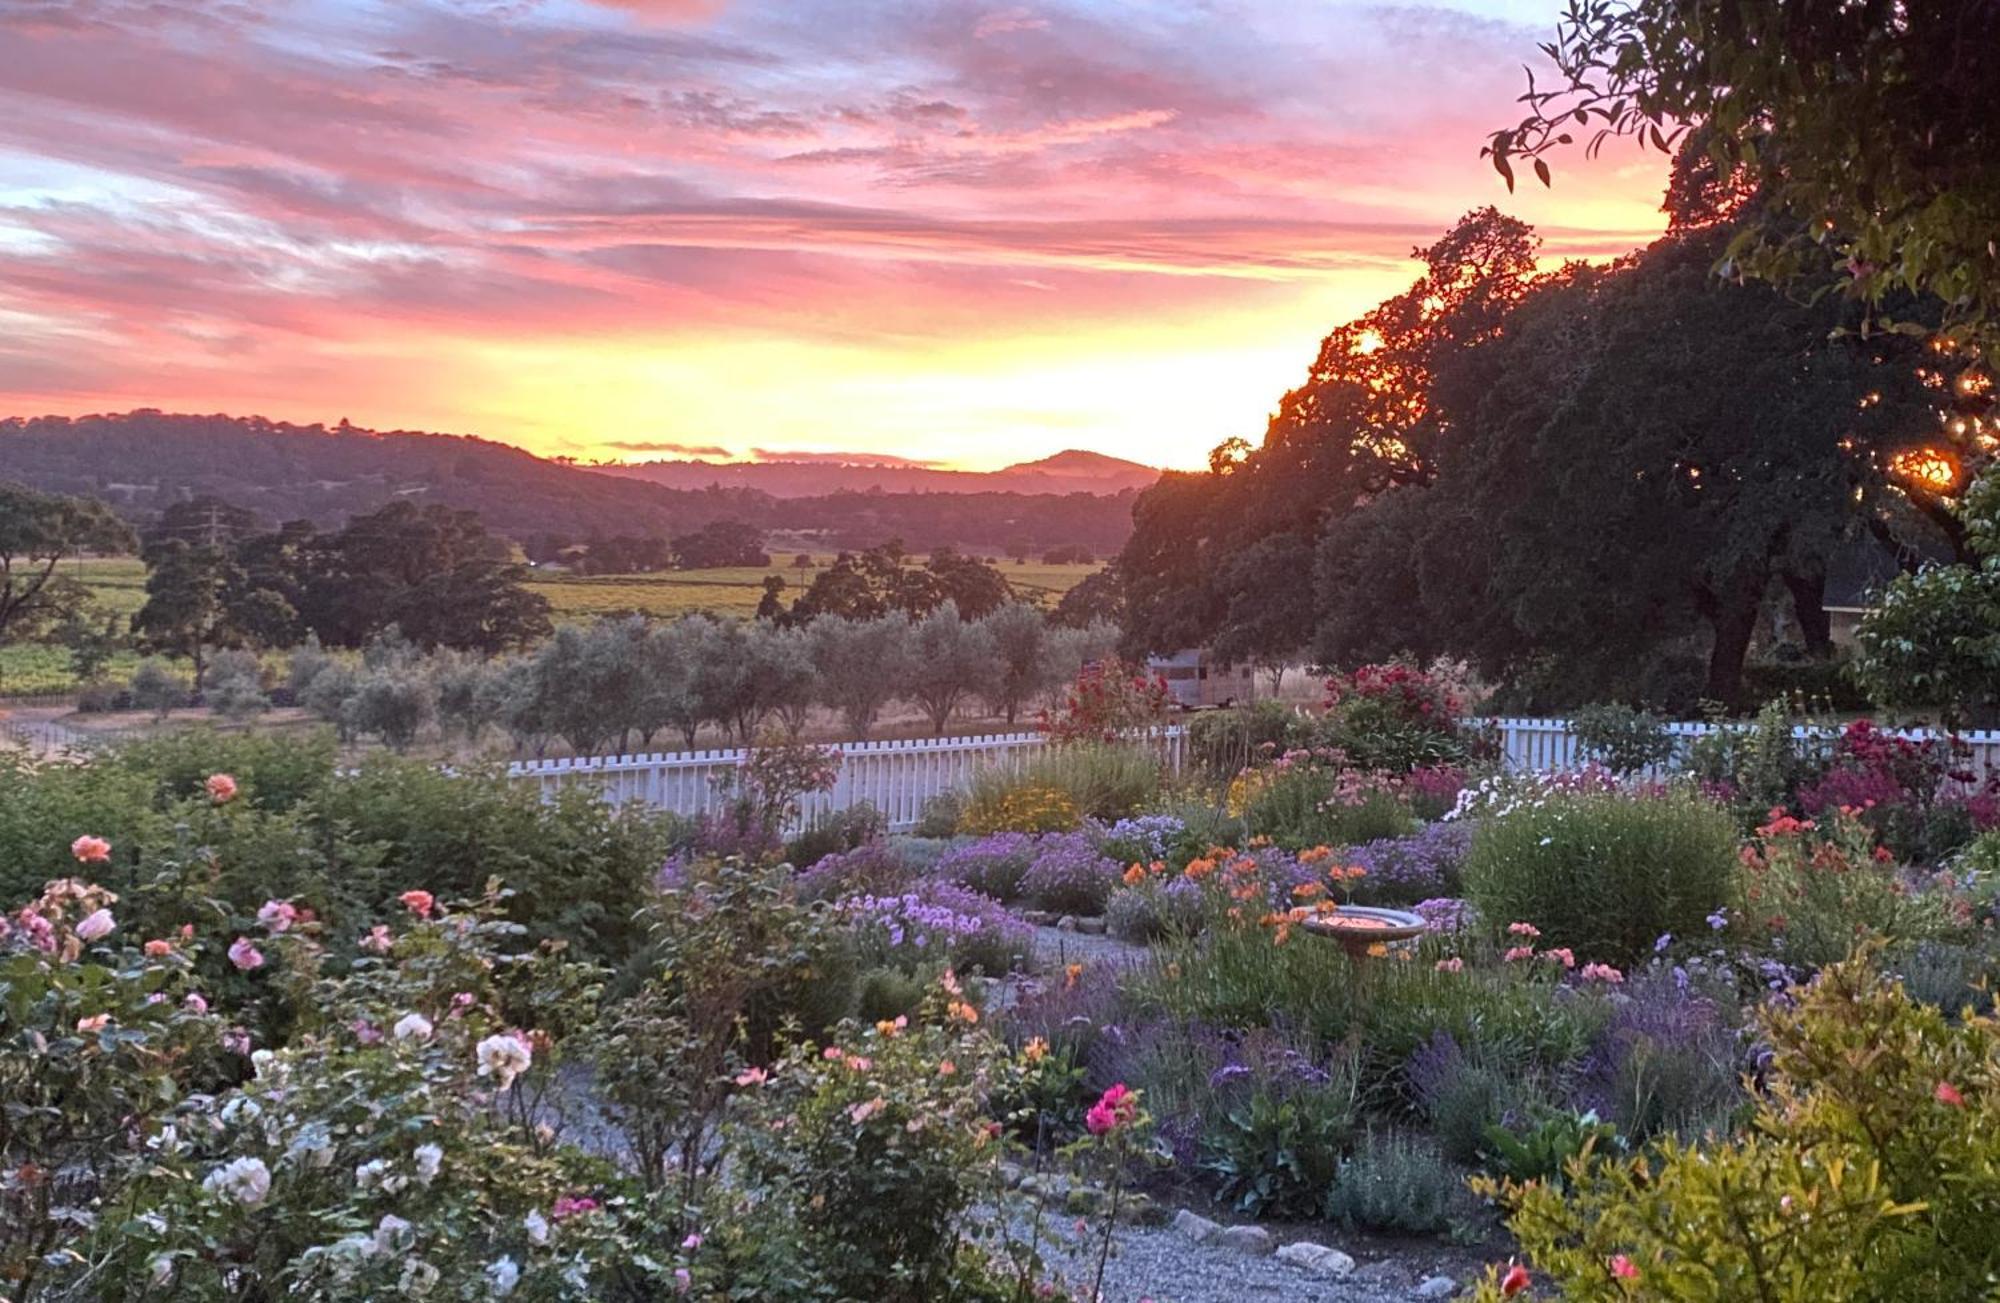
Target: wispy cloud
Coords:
[(867, 222)]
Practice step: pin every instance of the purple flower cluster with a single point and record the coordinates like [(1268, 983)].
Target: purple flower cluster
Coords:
[(1070, 875), (1443, 914), (939, 922), (873, 867), (993, 865), (1144, 839), (1425, 863)]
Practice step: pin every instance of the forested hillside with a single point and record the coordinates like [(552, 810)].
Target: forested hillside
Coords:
[(143, 461)]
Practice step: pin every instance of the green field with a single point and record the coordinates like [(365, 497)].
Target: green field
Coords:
[(736, 590), (119, 584)]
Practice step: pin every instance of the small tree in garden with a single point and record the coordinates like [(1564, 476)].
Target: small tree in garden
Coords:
[(1021, 665), (767, 788), (1109, 699), (157, 688)]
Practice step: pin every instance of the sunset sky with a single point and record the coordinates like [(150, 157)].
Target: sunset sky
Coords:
[(968, 233)]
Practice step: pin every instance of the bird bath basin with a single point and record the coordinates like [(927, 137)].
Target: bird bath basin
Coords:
[(1360, 928)]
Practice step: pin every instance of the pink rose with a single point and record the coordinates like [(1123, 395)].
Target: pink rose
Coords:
[(90, 850), (419, 903), (244, 955), (96, 926), (277, 915), (221, 788)]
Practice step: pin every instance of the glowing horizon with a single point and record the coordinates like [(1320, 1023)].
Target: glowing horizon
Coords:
[(962, 234)]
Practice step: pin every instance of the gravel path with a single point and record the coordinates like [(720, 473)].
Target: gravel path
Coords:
[(1055, 948), (1150, 1265)]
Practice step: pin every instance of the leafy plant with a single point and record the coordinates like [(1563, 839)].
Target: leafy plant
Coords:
[(1544, 1148), (1605, 874), (1622, 738)]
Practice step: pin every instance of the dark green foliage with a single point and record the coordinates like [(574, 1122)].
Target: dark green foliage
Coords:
[(1541, 1148), (1621, 738)]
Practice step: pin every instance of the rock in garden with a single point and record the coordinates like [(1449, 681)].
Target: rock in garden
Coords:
[(1437, 1287), (1067, 923), (1317, 1259), (1090, 926), (1195, 1227), (1252, 1240), (1038, 917)]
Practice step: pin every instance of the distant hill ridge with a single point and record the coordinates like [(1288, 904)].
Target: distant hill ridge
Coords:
[(1073, 471), (143, 460)]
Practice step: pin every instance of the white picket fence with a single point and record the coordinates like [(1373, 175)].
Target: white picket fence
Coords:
[(1549, 743), (896, 777)]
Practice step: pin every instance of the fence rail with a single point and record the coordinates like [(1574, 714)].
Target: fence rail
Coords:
[(1550, 743), (896, 777)]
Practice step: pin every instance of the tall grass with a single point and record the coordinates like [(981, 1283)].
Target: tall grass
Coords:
[(1103, 780)]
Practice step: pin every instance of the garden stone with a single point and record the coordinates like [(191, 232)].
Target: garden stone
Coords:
[(1317, 1259), (1437, 1287), (1195, 1227), (1038, 917), (1090, 926), (1254, 1241), (1067, 923)]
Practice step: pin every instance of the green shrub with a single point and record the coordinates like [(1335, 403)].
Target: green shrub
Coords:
[(1620, 738), (840, 830), (1763, 762), (1604, 874), (1274, 1150), (1235, 977), (1868, 1173), (940, 816), (1397, 1182)]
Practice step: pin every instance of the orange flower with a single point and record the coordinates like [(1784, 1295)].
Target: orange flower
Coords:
[(1307, 890), (1134, 876), (1514, 1281), (1070, 974), (1035, 1050), (963, 1012)]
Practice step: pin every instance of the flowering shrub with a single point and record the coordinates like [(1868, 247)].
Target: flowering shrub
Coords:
[(876, 867), (1109, 700), (1919, 796), (860, 1159), (1020, 808), (1865, 1175), (1813, 890), (1148, 837), (939, 924), (1307, 798), (1396, 718), (992, 865), (1070, 875), (102, 1036), (1424, 864)]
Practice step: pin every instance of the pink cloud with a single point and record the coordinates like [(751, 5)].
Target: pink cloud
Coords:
[(215, 185)]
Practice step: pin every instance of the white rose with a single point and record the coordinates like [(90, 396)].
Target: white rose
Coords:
[(503, 1275), (537, 1227), (246, 1180), (418, 1278), (413, 1025), (429, 1158), (162, 1267), (388, 1232), (503, 1057)]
